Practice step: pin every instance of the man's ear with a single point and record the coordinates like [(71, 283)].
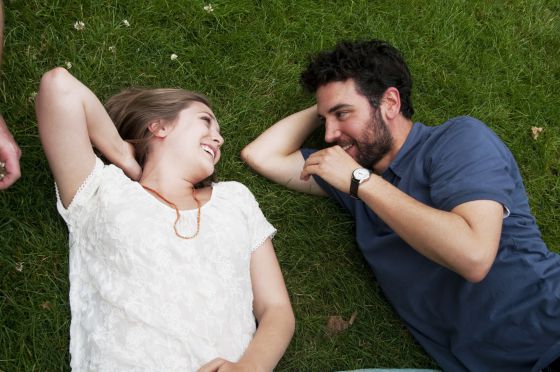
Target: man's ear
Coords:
[(391, 102), (158, 129)]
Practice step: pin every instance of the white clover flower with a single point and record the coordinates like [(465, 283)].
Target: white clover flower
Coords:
[(112, 48), (19, 266), (208, 8), (174, 57), (68, 65), (536, 132), (79, 25), (32, 96), (126, 23)]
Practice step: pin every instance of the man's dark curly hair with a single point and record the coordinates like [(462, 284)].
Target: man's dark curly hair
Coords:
[(374, 65)]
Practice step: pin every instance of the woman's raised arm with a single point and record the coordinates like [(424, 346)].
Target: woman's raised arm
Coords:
[(71, 119)]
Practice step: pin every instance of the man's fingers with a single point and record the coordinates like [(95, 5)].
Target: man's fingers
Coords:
[(310, 167), (9, 171), (8, 181), (12, 165)]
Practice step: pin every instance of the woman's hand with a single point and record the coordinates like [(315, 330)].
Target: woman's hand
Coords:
[(129, 165), (222, 365)]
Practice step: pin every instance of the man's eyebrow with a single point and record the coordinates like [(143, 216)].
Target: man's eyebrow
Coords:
[(338, 107)]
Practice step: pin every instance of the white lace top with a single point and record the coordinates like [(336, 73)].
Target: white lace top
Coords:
[(144, 300)]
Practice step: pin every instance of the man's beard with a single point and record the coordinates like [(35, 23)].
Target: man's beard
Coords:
[(377, 141)]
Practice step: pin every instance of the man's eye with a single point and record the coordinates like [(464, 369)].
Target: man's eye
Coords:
[(341, 114)]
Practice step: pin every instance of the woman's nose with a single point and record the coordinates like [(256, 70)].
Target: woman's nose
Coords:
[(218, 139)]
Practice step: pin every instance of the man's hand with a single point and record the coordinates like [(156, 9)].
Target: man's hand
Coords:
[(333, 165), (222, 365), (9, 157)]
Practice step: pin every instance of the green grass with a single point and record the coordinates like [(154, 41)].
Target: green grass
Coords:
[(495, 60)]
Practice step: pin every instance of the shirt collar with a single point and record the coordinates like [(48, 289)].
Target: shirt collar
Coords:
[(416, 136)]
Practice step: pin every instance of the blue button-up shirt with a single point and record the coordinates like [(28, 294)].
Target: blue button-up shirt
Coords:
[(510, 321)]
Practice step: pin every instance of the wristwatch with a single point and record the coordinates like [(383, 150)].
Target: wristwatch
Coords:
[(359, 175)]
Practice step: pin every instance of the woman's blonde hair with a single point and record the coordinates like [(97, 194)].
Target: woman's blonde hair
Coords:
[(134, 109)]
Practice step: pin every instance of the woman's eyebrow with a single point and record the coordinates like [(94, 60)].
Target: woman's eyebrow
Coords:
[(213, 118)]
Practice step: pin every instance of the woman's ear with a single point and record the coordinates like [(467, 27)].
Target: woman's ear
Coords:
[(158, 129)]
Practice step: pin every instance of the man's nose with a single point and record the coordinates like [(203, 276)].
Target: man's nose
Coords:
[(332, 132)]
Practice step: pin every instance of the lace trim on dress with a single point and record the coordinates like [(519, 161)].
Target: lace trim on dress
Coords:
[(269, 235), (97, 165)]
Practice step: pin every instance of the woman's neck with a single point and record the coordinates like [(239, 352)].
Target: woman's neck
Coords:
[(162, 173), (168, 182)]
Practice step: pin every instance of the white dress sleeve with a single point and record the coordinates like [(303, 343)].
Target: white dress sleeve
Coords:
[(259, 227), (85, 192)]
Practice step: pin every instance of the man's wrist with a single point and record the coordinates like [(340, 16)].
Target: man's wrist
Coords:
[(359, 176)]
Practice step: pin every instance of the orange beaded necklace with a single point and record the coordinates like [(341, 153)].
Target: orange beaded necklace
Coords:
[(177, 213)]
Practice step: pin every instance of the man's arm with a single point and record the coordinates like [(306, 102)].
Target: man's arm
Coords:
[(9, 157), (275, 153), (1, 28), (464, 240), (9, 150)]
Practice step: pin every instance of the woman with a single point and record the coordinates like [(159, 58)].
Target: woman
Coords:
[(170, 271)]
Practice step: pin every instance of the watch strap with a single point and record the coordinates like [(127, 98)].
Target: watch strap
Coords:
[(354, 183)]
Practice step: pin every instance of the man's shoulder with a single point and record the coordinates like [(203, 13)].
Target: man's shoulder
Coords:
[(457, 141), (462, 124), (461, 130)]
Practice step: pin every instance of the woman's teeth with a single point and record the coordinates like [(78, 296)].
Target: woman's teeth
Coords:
[(208, 150)]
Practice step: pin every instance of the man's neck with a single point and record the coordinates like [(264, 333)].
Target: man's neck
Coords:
[(400, 129)]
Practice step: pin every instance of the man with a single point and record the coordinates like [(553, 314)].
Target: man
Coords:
[(9, 150), (441, 212)]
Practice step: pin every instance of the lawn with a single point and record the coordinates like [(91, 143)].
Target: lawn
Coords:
[(498, 61)]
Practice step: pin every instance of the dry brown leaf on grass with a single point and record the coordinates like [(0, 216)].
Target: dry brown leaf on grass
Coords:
[(46, 305), (335, 323)]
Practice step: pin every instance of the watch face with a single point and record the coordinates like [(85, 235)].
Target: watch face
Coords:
[(361, 174)]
